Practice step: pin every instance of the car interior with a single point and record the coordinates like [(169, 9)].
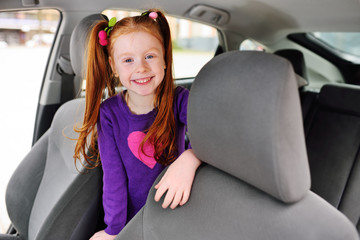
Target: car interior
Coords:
[(277, 129)]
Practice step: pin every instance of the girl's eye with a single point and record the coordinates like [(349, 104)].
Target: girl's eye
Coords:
[(128, 60), (149, 56)]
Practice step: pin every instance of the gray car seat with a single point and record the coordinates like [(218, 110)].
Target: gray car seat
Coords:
[(245, 124), (297, 59), (333, 144), (47, 197)]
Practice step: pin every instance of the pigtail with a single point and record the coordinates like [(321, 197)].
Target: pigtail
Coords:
[(162, 132), (98, 76)]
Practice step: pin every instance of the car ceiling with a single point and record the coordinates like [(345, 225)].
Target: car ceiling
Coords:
[(263, 20)]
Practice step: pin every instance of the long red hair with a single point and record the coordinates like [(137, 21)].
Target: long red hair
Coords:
[(99, 76)]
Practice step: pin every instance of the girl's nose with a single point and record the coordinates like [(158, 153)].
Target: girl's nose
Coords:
[(143, 66)]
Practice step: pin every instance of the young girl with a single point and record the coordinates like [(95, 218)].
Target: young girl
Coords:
[(140, 130)]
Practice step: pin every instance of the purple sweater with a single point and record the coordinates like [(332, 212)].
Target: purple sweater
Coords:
[(128, 173)]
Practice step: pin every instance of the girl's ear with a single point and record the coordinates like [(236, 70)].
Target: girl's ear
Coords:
[(113, 67), (112, 64)]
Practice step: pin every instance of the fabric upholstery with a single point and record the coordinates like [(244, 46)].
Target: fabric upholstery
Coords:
[(77, 43), (135, 229), (333, 143), (308, 99), (297, 59), (82, 199), (229, 133), (267, 113), (341, 97), (67, 189), (9, 237), (350, 205), (47, 197), (23, 185), (223, 207)]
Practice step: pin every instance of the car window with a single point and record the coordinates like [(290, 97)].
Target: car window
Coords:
[(194, 44), (251, 45), (343, 44), (26, 38)]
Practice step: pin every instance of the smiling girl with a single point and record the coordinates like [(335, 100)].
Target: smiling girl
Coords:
[(141, 129)]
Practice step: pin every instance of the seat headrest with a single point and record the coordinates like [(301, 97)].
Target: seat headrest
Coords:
[(244, 118), (296, 57), (341, 97), (78, 42)]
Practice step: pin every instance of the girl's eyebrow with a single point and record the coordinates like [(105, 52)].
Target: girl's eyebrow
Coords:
[(153, 49), (126, 54)]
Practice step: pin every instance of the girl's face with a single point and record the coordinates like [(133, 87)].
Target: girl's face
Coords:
[(138, 59)]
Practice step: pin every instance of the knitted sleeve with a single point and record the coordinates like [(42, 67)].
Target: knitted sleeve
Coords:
[(114, 179)]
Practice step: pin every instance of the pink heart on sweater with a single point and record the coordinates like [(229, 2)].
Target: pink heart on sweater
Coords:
[(134, 142)]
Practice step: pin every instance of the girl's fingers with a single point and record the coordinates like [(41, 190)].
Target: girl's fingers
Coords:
[(168, 198), (185, 197), (159, 192), (160, 182), (176, 200)]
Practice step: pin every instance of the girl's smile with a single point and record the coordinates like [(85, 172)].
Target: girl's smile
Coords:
[(143, 81)]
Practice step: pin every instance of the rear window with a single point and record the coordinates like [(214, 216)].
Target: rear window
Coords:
[(345, 45)]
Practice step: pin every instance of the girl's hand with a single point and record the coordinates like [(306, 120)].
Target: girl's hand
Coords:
[(177, 180), (102, 235)]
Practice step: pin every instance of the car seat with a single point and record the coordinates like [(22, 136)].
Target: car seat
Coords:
[(333, 144), (244, 122), (48, 197), (297, 59)]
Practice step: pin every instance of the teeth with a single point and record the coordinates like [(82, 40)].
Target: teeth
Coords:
[(142, 81)]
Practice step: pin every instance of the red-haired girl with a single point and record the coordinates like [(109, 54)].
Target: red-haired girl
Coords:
[(140, 130)]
